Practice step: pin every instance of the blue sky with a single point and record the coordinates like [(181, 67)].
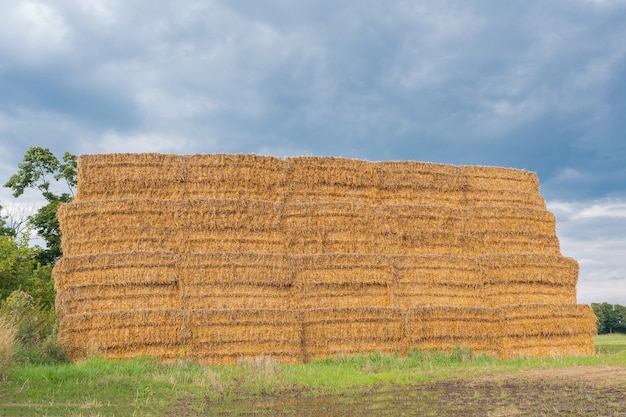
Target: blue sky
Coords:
[(536, 85)]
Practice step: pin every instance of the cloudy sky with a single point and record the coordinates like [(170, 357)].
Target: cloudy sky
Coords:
[(537, 85)]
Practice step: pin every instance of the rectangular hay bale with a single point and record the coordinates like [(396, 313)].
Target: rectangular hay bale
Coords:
[(348, 331), (316, 179), (221, 337)]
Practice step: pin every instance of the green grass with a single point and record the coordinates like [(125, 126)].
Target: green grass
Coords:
[(607, 343), (100, 387)]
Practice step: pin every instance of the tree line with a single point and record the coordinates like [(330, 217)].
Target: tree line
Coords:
[(611, 317)]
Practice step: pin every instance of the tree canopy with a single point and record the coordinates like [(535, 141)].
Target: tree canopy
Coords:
[(611, 317), (36, 171)]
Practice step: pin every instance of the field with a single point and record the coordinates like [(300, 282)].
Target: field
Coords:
[(422, 383)]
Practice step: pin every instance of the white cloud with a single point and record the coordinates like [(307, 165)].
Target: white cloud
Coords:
[(113, 142), (32, 31), (594, 233)]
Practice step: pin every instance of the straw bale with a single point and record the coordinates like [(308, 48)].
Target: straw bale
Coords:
[(547, 345), (236, 268), (510, 242), (319, 228), (504, 294), (422, 230), (529, 268), (339, 331), (541, 330), (316, 179), (448, 327), (169, 225), (496, 179), (497, 219), (111, 298), (236, 280), (418, 183), (111, 226), (548, 319), (509, 198), (228, 336), (436, 270), (115, 269), (429, 280), (342, 269), (231, 177), (529, 279), (231, 226), (116, 176), (112, 334), (510, 230)]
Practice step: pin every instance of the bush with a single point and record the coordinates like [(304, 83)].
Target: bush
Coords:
[(35, 330), (7, 346)]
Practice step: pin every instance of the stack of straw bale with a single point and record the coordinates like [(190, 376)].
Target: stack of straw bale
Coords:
[(222, 258)]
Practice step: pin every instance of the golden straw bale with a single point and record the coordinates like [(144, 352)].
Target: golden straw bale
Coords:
[(504, 294), (342, 269), (429, 280), (509, 198), (409, 295), (512, 219), (418, 183), (228, 336), (111, 226), (343, 331), (230, 226), (548, 319), (111, 298), (112, 334), (236, 280), (547, 345), (480, 243), (318, 228), (316, 179), (116, 176), (528, 279), (529, 268), (115, 269), (341, 280), (437, 270), (236, 268), (497, 179), (230, 177), (452, 326), (422, 230)]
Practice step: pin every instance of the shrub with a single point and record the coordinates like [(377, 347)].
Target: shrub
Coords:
[(34, 330)]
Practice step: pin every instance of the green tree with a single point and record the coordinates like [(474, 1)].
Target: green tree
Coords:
[(621, 317), (19, 270), (599, 312), (5, 230), (36, 171)]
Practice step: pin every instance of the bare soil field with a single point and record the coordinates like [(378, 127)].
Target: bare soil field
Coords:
[(576, 391)]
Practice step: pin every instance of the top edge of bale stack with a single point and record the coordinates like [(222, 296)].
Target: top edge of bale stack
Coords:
[(301, 179)]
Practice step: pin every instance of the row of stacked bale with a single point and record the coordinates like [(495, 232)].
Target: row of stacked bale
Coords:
[(223, 257), (228, 336), (165, 280)]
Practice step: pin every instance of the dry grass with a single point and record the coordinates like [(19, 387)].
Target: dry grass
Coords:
[(7, 346)]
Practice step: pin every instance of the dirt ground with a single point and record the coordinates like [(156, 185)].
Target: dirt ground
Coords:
[(578, 391)]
